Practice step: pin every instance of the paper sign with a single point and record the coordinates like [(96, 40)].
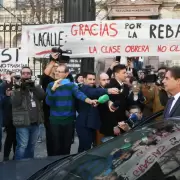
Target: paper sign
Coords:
[(106, 38), (12, 59)]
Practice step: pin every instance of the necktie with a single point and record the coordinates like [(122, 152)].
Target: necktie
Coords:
[(168, 107)]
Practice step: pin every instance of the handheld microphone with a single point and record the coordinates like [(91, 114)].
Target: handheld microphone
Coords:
[(133, 118)]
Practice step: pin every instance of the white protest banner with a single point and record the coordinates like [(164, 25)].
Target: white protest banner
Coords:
[(12, 59), (106, 38)]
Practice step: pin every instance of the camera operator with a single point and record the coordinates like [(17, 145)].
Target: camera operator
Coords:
[(48, 77), (155, 94), (27, 113)]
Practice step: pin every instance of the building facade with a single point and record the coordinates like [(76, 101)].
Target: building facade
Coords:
[(142, 10), (15, 13)]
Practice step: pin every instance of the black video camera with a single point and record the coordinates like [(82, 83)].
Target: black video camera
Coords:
[(61, 58), (23, 83), (160, 78), (148, 77), (153, 78), (27, 84)]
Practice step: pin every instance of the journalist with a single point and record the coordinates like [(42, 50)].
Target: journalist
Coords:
[(135, 116), (88, 120), (60, 99), (27, 113)]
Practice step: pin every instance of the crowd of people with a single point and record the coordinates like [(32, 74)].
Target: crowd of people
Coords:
[(74, 107)]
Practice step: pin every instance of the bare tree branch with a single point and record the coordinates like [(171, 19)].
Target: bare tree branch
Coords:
[(41, 11), (51, 11), (101, 6)]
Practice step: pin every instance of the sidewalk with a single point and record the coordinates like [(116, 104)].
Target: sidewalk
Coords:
[(40, 151)]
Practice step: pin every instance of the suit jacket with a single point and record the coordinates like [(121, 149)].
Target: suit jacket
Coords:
[(175, 111), (112, 118), (88, 116)]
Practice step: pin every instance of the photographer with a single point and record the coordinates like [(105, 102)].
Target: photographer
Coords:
[(154, 92), (27, 113), (46, 78)]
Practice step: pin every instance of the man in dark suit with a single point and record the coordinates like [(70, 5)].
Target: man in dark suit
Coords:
[(112, 118), (172, 86), (103, 108), (88, 119)]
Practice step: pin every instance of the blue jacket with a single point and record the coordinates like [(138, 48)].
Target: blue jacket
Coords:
[(88, 115)]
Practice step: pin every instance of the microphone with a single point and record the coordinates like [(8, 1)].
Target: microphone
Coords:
[(133, 118)]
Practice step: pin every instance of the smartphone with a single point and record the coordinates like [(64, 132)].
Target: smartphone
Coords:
[(118, 58)]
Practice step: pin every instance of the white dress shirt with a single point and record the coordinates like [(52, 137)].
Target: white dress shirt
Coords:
[(176, 97)]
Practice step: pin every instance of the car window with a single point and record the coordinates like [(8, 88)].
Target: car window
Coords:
[(152, 151)]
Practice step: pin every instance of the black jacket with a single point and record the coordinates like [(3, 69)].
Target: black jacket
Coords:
[(20, 106), (139, 102), (7, 112), (103, 112), (112, 118)]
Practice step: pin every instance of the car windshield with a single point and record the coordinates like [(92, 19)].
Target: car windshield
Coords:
[(150, 151)]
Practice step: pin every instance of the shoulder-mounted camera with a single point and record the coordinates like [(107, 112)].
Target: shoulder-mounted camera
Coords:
[(61, 58)]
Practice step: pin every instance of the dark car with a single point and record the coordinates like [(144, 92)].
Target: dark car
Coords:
[(149, 152)]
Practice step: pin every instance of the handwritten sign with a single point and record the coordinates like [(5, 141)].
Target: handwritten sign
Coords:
[(12, 59), (106, 38)]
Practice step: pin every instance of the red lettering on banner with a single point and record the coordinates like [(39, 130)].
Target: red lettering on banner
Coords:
[(148, 161), (162, 48), (81, 27), (112, 27), (73, 32), (174, 48), (92, 50), (136, 173), (130, 49), (94, 29), (110, 49)]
